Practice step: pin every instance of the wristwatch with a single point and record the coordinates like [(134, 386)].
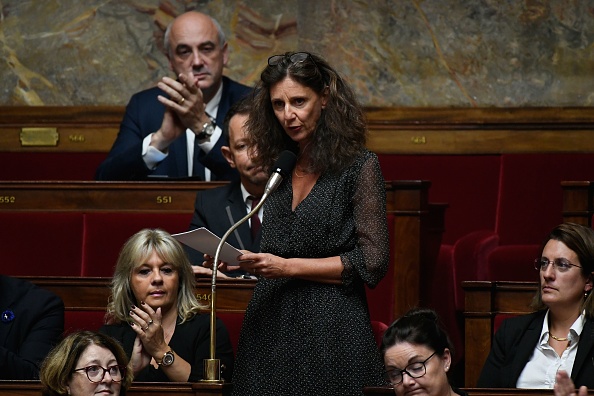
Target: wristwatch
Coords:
[(167, 359), (207, 130)]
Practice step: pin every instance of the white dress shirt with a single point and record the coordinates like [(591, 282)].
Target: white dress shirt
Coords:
[(539, 372)]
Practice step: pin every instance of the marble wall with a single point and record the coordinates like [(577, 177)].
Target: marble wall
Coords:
[(461, 53)]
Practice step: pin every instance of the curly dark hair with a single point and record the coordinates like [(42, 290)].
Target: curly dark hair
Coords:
[(341, 131)]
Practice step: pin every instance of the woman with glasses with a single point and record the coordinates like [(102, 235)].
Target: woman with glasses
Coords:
[(324, 237), (153, 312), (418, 355), (84, 364), (529, 351)]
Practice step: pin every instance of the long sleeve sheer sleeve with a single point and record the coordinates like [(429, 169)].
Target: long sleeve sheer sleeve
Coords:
[(370, 258)]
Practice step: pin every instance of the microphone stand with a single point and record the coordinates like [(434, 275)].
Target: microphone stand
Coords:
[(212, 366)]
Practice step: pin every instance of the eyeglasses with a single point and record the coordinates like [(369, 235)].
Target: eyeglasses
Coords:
[(414, 370), (97, 373), (295, 58), (560, 264)]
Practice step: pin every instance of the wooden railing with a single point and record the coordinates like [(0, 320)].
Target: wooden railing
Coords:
[(417, 225), (393, 130), (33, 388), (578, 201), (473, 391), (484, 301), (91, 293)]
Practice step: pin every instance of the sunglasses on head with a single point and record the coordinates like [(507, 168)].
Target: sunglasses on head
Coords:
[(294, 58)]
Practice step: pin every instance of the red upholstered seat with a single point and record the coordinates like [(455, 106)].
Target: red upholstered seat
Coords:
[(40, 244), (106, 233), (233, 322), (467, 183), (49, 166), (82, 320), (512, 263), (380, 299), (379, 328)]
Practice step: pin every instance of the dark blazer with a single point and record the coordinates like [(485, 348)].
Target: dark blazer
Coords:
[(144, 115), (514, 344), (190, 340), (217, 209), (31, 324)]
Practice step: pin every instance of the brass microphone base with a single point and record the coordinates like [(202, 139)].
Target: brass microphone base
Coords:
[(212, 370)]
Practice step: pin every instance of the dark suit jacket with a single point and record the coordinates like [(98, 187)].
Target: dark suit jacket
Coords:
[(31, 323), (514, 344), (213, 209), (144, 115)]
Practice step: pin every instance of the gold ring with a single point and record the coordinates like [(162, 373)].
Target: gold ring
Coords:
[(145, 328), (181, 101)]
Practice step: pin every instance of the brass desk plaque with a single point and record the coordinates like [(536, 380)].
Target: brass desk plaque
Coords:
[(39, 137)]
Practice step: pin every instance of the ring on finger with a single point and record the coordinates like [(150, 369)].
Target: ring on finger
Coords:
[(181, 101), (145, 328), (150, 322)]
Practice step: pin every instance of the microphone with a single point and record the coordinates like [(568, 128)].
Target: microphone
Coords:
[(282, 167)]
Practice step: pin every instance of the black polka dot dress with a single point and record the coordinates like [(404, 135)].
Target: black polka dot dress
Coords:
[(307, 338)]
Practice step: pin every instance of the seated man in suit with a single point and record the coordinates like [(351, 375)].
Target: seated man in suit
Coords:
[(220, 208), (172, 130), (31, 324)]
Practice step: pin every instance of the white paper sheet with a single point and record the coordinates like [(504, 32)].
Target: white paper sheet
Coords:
[(205, 241)]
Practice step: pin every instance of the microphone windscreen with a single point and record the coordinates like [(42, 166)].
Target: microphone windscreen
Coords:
[(285, 163)]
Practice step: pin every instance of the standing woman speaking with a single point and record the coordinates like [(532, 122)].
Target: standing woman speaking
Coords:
[(307, 330)]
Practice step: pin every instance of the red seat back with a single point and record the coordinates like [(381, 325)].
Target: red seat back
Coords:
[(41, 244), (106, 233)]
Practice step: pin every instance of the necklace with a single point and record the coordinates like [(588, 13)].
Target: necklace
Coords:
[(559, 338)]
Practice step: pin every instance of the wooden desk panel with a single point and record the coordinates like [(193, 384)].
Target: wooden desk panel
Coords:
[(418, 225), (94, 196), (33, 388), (484, 300), (473, 391), (91, 294), (393, 130), (578, 202)]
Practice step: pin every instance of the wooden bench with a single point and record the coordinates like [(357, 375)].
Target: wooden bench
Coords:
[(472, 391), (85, 300), (78, 228), (486, 303), (578, 202), (33, 388)]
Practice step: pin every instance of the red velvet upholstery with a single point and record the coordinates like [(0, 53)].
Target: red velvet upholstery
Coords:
[(233, 322), (530, 198), (41, 244), (529, 206), (468, 183), (468, 251), (106, 233), (49, 166), (82, 320), (440, 296), (380, 300), (379, 328), (512, 263)]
